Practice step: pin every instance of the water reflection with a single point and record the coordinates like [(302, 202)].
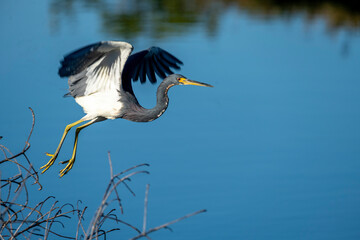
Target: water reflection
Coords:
[(161, 18)]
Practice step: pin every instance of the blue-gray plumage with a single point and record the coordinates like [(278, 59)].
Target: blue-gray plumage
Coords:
[(100, 77)]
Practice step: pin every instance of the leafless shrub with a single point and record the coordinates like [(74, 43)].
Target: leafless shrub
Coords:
[(21, 220), (115, 181), (18, 218)]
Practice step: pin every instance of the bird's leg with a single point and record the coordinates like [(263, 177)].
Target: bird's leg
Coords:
[(54, 156), (71, 161)]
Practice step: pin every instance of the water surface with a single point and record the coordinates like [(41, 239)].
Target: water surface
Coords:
[(272, 151)]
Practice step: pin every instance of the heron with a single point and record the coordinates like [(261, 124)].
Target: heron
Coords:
[(100, 79)]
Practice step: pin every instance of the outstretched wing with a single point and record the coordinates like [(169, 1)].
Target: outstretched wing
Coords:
[(147, 63), (95, 68)]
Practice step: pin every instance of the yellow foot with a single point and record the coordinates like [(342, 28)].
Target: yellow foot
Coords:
[(68, 167), (49, 163)]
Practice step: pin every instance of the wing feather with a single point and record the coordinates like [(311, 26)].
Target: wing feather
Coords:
[(158, 69), (143, 73), (170, 59), (137, 73), (150, 72), (95, 68), (163, 67), (148, 63)]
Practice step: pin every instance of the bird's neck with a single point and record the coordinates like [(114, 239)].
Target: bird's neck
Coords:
[(162, 101)]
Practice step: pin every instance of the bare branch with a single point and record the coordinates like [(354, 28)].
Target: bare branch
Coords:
[(167, 224), (145, 207)]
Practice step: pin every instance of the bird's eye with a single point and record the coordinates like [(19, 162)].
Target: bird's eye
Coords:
[(178, 79)]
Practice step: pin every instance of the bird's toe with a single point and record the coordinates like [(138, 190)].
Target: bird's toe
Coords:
[(68, 167), (49, 154)]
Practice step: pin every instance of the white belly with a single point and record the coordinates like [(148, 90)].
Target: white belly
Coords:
[(101, 104)]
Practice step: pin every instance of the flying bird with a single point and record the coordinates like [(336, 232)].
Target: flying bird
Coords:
[(99, 78)]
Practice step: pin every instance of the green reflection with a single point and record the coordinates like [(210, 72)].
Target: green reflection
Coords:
[(163, 18)]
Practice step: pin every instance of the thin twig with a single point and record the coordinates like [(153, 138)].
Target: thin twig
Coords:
[(145, 207), (167, 224), (80, 222)]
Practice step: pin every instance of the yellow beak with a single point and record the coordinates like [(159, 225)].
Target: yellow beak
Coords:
[(191, 82)]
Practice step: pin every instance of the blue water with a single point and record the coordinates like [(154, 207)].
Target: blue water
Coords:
[(272, 151)]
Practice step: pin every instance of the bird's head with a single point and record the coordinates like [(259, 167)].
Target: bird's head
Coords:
[(177, 79)]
